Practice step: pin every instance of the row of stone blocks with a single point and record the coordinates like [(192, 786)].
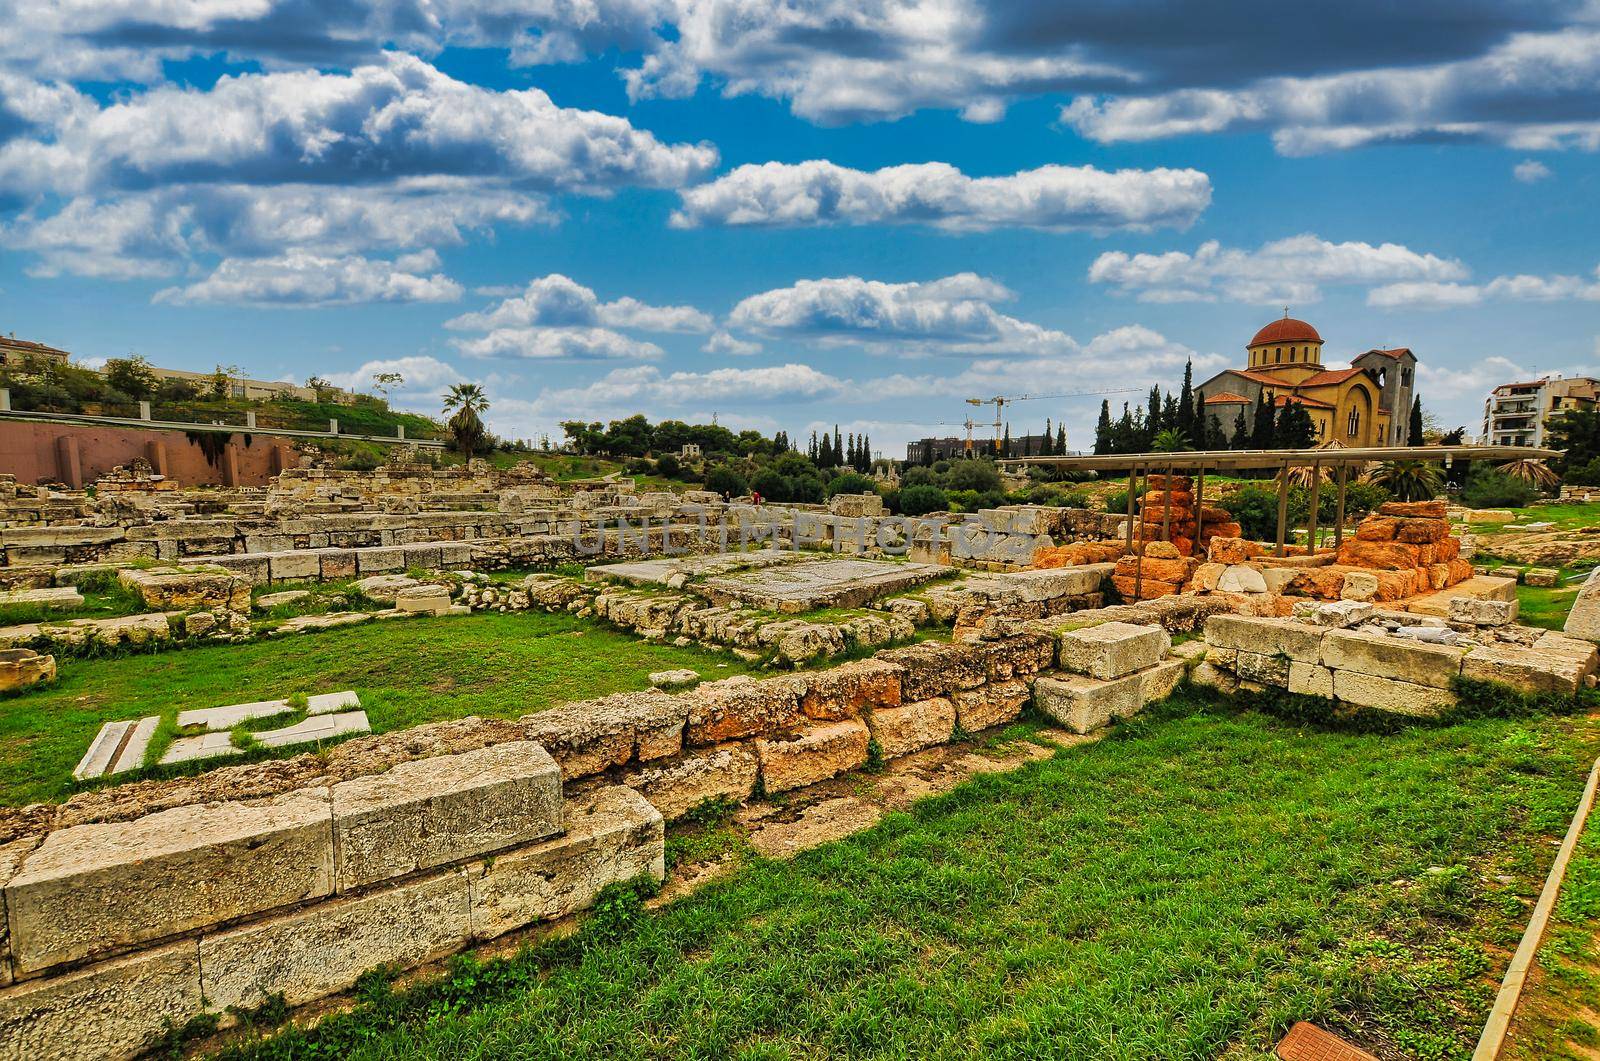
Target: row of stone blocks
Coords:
[(1370, 667), (120, 929)]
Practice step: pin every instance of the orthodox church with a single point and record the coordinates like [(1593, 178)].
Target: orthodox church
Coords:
[(1367, 404)]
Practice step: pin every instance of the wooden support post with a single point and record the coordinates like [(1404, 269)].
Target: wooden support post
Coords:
[(1199, 504), (1316, 489), (1133, 475), (1338, 519), (1283, 506)]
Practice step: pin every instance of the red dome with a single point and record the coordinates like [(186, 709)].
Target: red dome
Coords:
[(1286, 330)]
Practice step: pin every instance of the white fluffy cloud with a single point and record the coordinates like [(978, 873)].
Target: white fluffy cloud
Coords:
[(1519, 288), (1527, 92), (1531, 171), (1287, 270), (300, 279), (724, 343), (953, 315), (560, 301), (559, 344), (1058, 198), (422, 378)]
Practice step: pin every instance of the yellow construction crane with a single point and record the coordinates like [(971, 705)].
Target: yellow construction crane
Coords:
[(1000, 401)]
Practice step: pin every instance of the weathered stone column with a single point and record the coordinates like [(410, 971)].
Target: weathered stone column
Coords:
[(69, 464)]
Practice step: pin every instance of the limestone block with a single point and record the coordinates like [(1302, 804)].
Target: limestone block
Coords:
[(1211, 676), (1387, 694), (1584, 618), (376, 561), (612, 834), (1360, 586), (1380, 654), (1577, 649), (937, 669), (670, 680), (1242, 578), (677, 784), (429, 600), (815, 754), (848, 690), (199, 586), (268, 601), (912, 726), (1084, 704), (1158, 682), (741, 707), (287, 567), (23, 667), (337, 564), (11, 856), (91, 889), (1525, 669), (1341, 613), (47, 597), (993, 704), (429, 812), (315, 728), (1541, 576), (592, 735), (1482, 612), (1019, 655), (1111, 650), (326, 947), (1257, 667), (113, 1009), (1310, 679), (1266, 636)]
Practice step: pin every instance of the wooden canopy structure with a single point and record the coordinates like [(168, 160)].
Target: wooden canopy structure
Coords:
[(1338, 461)]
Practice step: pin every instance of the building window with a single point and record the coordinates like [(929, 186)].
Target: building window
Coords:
[(1405, 376), (1353, 424)]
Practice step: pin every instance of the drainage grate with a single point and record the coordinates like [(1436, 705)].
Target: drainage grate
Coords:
[(1307, 1042)]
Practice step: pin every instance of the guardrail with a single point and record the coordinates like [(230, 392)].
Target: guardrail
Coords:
[(146, 421)]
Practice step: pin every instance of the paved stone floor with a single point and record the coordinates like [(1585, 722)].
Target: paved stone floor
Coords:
[(776, 580)]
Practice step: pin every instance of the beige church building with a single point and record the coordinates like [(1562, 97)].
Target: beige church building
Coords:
[(1367, 404)]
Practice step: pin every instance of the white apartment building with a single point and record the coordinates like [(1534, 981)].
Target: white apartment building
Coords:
[(1515, 414)]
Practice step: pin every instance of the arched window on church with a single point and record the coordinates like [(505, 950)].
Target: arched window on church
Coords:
[(1353, 423)]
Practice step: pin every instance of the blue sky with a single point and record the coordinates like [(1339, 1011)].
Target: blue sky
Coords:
[(795, 214)]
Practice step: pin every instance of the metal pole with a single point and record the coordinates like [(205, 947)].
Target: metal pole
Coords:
[(1138, 572), (1283, 505), (1316, 489), (1338, 520), (1166, 509)]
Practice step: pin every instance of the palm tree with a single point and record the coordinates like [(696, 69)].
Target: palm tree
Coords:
[(1170, 440), (1408, 480), (1301, 474), (1532, 471), (466, 427)]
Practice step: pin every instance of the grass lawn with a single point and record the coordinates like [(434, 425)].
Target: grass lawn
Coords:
[(406, 671), (1546, 606), (1564, 517), (1185, 889)]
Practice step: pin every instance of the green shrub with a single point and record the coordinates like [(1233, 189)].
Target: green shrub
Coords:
[(920, 500), (668, 465), (1489, 488), (724, 480)]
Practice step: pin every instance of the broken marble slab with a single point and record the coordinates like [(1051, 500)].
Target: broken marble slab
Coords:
[(205, 746), (315, 728), (117, 748), (224, 718)]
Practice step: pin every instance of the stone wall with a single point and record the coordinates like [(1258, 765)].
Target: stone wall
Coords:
[(37, 451)]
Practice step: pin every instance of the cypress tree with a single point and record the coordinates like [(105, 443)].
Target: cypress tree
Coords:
[(1187, 424), (836, 457), (1152, 419), (1102, 428), (1046, 447), (1214, 435), (812, 452), (1005, 443), (1263, 430), (1295, 429), (1241, 432), (1061, 439), (1416, 422)]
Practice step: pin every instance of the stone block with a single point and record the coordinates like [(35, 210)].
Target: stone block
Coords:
[(1341, 614), (1111, 650), (612, 834), (1213, 676), (1422, 509), (848, 690), (1257, 667), (937, 669), (1382, 655), (114, 1009), (993, 704), (11, 855), (671, 680), (93, 889), (1360, 586), (337, 564), (1270, 637), (587, 737), (379, 560), (323, 949), (21, 668), (677, 784), (1242, 578), (1541, 576), (815, 754), (912, 726), (1310, 679), (1527, 670), (427, 600), (1584, 618), (288, 567), (741, 707), (1083, 704), (203, 586), (429, 812), (1018, 655), (1158, 682), (1477, 612), (1387, 694)]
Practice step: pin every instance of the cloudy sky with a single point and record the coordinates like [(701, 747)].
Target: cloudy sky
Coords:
[(796, 213)]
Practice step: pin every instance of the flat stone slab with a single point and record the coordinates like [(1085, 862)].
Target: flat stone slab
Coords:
[(225, 718), (818, 583), (51, 597), (684, 568), (117, 748), (205, 746), (318, 727), (1479, 587)]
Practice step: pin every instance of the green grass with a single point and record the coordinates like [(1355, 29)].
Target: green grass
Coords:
[(1187, 889), (102, 602), (406, 671), (1545, 606), (1565, 517)]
